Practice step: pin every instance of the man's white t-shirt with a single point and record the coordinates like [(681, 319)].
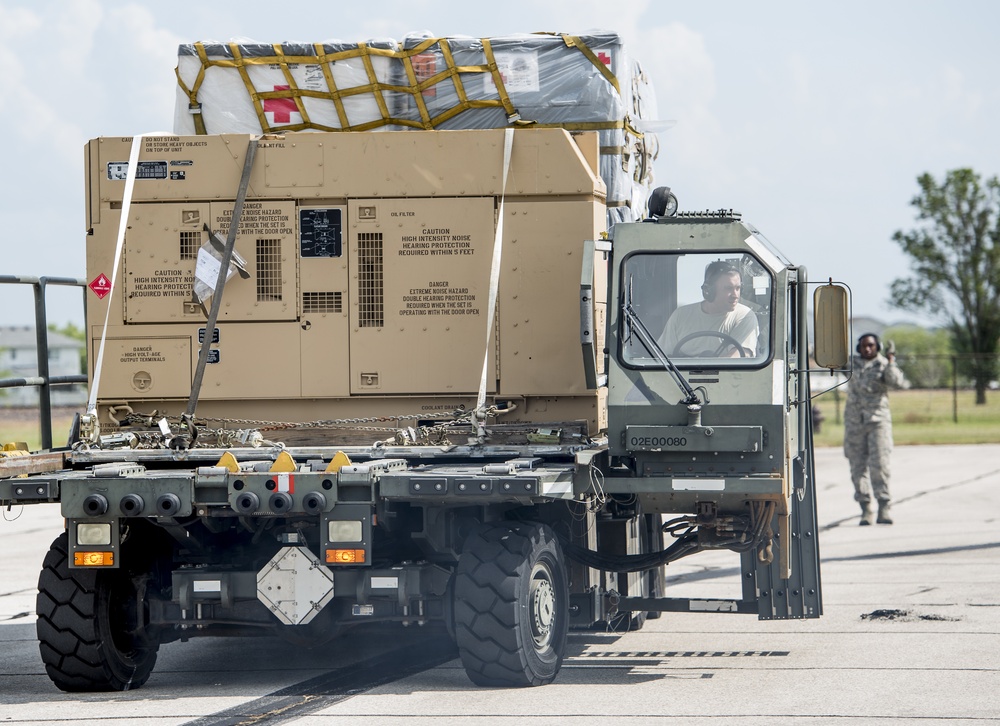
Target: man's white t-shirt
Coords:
[(740, 324)]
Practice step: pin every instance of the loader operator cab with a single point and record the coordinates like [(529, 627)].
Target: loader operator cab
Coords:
[(703, 308), (707, 314)]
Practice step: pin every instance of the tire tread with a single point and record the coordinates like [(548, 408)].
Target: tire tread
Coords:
[(69, 639), (486, 604)]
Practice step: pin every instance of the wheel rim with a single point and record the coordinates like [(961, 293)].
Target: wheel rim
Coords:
[(124, 619), (543, 605)]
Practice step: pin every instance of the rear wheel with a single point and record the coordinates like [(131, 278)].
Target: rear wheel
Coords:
[(639, 535), (91, 626), (511, 605), (657, 576)]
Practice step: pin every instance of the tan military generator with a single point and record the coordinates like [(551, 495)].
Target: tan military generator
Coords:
[(412, 378), (366, 275)]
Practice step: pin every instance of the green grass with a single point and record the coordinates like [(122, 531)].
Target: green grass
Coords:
[(923, 417), (24, 427)]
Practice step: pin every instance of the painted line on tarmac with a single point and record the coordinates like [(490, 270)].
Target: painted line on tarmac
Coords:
[(337, 685)]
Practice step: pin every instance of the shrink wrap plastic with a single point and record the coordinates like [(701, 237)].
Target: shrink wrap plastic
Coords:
[(585, 82)]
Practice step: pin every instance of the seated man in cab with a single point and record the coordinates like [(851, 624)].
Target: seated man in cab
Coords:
[(719, 326)]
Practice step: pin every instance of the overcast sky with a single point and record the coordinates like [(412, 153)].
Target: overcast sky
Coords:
[(812, 119)]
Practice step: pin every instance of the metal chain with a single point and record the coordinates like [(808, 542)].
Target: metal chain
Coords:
[(150, 419), (435, 435)]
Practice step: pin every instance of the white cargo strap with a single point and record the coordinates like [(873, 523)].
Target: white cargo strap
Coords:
[(133, 164), (508, 143)]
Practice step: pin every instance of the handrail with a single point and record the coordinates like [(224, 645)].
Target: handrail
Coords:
[(43, 381)]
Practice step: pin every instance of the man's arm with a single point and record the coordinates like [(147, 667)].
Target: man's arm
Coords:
[(671, 333), (893, 376), (747, 331)]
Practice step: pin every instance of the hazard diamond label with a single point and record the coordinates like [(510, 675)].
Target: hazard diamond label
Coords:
[(101, 286)]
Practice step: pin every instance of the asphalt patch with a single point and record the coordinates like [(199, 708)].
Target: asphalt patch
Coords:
[(905, 616)]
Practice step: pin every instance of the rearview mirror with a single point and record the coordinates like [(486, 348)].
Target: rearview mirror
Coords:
[(830, 326)]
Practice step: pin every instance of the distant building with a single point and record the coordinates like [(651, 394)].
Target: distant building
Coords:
[(862, 325), (18, 359)]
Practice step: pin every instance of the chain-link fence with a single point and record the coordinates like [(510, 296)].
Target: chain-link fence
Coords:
[(941, 404)]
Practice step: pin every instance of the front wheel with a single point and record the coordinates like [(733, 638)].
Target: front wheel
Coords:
[(511, 605), (91, 626)]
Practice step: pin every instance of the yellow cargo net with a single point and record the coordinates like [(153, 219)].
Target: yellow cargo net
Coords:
[(419, 82)]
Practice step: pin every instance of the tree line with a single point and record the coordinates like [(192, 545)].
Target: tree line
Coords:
[(929, 359), (954, 254)]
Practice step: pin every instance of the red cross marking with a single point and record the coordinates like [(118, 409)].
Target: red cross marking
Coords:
[(604, 57), (283, 108)]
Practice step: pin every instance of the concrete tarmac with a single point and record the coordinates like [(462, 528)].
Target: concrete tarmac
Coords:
[(910, 635)]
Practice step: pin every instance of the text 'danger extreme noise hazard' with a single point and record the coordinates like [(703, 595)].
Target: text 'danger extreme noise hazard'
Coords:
[(439, 298)]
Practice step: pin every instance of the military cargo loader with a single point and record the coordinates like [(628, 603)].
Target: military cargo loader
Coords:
[(410, 377)]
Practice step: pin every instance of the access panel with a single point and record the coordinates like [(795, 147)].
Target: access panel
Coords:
[(420, 278)]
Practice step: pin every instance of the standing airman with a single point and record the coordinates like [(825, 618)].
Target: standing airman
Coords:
[(868, 426)]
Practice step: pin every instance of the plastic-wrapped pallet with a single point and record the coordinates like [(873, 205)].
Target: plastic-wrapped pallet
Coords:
[(256, 87), (585, 82)]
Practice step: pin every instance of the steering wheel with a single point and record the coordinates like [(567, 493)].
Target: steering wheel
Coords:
[(727, 340)]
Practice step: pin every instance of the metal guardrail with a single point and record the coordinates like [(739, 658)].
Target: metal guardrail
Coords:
[(43, 381)]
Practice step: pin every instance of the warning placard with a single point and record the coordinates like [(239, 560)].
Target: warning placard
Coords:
[(162, 283), (439, 298), (100, 286), (259, 218), (436, 242)]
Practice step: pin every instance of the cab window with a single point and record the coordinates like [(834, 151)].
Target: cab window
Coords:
[(701, 310)]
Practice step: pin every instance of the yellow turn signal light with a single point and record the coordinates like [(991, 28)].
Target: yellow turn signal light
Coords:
[(94, 559), (345, 557)]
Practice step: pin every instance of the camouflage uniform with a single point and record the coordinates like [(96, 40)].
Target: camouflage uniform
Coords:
[(868, 427)]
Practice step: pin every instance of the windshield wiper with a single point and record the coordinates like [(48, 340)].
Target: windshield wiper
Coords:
[(649, 343)]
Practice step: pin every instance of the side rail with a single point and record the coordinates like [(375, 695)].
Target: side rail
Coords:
[(43, 381)]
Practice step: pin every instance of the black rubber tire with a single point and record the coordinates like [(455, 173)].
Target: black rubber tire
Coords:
[(657, 576), (89, 631), (511, 605), (626, 621)]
